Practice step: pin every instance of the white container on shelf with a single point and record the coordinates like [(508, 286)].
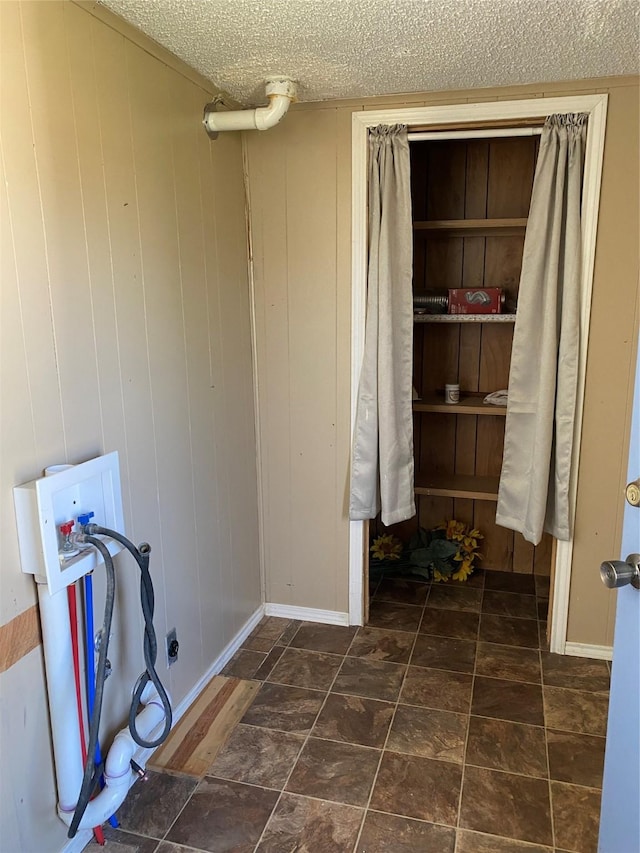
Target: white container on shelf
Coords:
[(452, 393)]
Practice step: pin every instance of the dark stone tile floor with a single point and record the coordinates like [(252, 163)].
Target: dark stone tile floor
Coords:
[(444, 725)]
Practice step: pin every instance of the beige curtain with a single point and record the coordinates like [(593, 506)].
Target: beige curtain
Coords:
[(382, 459), (534, 483)]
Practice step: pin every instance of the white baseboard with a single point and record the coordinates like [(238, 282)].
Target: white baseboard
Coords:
[(307, 614), (78, 842), (75, 845), (225, 655), (585, 650)]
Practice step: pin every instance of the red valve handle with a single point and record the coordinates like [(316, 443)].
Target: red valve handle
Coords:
[(66, 528)]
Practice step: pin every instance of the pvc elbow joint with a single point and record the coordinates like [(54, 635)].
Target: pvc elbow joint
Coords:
[(270, 116), (281, 92), (119, 773)]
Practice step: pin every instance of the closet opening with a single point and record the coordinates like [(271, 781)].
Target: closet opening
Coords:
[(471, 194)]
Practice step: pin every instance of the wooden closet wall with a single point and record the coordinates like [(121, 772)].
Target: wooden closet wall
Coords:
[(470, 202)]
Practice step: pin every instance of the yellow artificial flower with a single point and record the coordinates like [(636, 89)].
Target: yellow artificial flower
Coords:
[(463, 572), (454, 529), (386, 547), (467, 554)]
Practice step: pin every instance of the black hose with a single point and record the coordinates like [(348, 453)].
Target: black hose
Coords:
[(150, 644), (150, 648)]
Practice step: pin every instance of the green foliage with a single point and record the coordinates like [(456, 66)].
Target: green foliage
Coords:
[(430, 554), (437, 555)]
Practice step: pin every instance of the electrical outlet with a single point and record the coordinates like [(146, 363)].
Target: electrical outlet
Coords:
[(172, 646)]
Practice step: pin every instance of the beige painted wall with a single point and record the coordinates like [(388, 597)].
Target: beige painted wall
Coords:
[(300, 184), (125, 326)]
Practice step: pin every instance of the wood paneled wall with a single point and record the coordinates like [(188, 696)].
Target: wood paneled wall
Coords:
[(302, 214), (125, 326), (299, 176)]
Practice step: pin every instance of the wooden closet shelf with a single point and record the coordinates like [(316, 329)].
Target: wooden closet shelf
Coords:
[(457, 486), (464, 318), (468, 405), (472, 227)]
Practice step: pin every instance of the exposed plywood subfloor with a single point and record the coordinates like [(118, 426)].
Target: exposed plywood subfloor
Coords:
[(196, 740)]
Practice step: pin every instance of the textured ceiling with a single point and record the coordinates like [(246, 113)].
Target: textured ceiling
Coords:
[(356, 48)]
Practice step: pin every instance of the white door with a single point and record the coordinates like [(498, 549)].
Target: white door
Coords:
[(620, 815)]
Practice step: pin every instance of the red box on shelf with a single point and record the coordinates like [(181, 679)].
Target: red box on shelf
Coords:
[(469, 300)]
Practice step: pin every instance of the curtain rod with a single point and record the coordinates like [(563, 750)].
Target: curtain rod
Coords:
[(493, 124), (478, 133)]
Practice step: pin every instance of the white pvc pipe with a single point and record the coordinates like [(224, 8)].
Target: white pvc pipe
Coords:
[(280, 91), (58, 658), (118, 776)]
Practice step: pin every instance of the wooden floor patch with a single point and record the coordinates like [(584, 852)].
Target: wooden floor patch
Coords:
[(196, 740)]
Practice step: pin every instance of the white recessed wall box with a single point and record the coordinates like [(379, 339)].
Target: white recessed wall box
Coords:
[(44, 504)]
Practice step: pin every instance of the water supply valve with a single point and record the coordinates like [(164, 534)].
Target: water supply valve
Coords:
[(68, 548), (85, 518)]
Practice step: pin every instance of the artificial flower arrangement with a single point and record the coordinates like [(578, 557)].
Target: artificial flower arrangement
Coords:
[(447, 551)]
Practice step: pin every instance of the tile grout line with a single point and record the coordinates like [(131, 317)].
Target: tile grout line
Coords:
[(495, 769), (466, 740), (546, 744), (188, 800), (306, 740), (164, 837), (295, 761), (189, 849), (275, 643), (134, 837), (328, 692), (180, 811), (393, 716), (446, 761)]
